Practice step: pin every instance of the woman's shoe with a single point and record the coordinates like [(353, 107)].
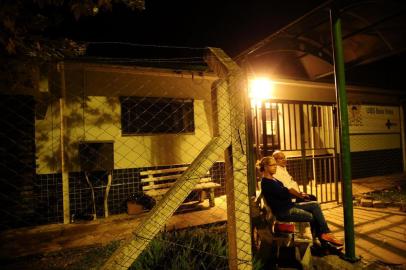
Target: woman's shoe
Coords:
[(331, 238)]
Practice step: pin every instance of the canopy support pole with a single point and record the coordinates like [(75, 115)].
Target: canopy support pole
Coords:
[(341, 96)]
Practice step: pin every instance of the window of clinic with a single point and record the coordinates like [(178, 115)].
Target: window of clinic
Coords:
[(154, 115)]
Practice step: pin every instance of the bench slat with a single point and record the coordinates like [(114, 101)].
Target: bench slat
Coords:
[(153, 186), (157, 193), (157, 186), (206, 185), (172, 177), (169, 170), (160, 178), (205, 180), (199, 186)]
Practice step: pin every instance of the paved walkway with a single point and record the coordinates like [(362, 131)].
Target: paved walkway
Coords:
[(380, 233)]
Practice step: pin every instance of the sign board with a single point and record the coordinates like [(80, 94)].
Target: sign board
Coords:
[(373, 119)]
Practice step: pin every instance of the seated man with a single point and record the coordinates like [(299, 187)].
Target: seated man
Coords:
[(283, 175), (278, 197)]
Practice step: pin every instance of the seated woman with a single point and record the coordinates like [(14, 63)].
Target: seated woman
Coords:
[(279, 199)]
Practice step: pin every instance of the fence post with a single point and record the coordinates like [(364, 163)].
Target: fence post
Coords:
[(231, 235), (238, 211)]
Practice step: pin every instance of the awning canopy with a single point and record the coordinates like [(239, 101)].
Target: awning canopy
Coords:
[(371, 31)]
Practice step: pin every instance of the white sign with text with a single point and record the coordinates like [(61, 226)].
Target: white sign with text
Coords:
[(373, 119)]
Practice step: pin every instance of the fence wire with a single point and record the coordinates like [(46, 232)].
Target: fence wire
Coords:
[(146, 150), (102, 141)]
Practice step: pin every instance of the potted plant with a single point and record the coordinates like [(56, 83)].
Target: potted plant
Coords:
[(138, 203), (134, 205)]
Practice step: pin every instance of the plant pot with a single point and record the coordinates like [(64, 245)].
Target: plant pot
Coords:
[(134, 208), (402, 207)]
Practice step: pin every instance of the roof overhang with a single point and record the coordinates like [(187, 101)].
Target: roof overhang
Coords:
[(371, 31)]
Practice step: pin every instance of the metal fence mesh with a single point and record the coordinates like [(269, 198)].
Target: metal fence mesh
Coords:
[(100, 137), (166, 148)]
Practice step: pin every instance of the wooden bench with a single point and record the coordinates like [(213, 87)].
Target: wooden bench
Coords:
[(267, 228), (157, 182)]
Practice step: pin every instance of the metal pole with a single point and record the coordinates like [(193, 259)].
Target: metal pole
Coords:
[(252, 183), (63, 124), (264, 131), (257, 141), (305, 179), (341, 96)]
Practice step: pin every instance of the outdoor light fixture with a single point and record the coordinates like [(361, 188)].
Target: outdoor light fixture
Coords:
[(260, 88)]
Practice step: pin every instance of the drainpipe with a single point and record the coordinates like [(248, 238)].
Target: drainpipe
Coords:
[(341, 97), (402, 116)]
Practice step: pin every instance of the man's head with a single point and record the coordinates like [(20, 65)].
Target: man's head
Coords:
[(280, 158)]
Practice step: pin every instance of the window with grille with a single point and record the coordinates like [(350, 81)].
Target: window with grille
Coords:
[(146, 115), (317, 120)]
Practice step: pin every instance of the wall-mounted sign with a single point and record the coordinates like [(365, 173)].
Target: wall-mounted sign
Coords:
[(373, 119)]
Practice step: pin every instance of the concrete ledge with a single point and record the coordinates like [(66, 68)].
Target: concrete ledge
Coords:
[(379, 204), (366, 202), (333, 262)]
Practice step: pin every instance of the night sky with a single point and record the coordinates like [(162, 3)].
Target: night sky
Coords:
[(230, 25)]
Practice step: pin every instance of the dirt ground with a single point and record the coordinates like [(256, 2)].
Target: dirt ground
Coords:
[(74, 259)]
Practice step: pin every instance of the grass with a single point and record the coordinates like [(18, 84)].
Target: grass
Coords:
[(195, 248), (187, 249)]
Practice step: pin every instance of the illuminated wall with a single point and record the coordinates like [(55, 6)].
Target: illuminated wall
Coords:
[(91, 116)]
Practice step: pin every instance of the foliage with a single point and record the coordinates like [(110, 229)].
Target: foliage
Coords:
[(193, 248), (393, 195), (31, 33), (26, 23), (187, 249)]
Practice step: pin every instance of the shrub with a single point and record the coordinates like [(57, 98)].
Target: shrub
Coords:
[(393, 195), (196, 248)]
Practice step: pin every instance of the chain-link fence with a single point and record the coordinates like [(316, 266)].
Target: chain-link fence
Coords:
[(112, 140), (101, 140)]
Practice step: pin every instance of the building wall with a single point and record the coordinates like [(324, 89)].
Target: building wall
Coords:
[(93, 113), (303, 91), (100, 121), (375, 140), (376, 162)]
